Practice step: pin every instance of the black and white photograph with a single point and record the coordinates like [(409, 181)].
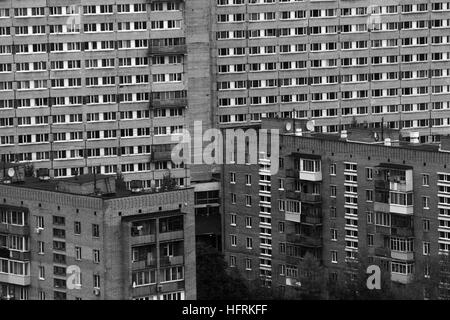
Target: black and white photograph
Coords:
[(240, 155)]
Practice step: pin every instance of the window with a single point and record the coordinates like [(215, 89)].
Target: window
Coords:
[(281, 184), (97, 281), (77, 253), (41, 273), (233, 239), (369, 195), (232, 261), (248, 264), (249, 243), (426, 180), (248, 179), (77, 227), (369, 173), (426, 225), (96, 255), (333, 169), (40, 222), (41, 247), (248, 222), (95, 230), (370, 240), (232, 177), (281, 227), (233, 219), (333, 234), (332, 212), (233, 198), (248, 200), (333, 191), (333, 256), (426, 202), (369, 217), (426, 248)]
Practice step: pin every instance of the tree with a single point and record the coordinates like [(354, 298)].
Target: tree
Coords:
[(168, 183), (120, 182), (312, 278), (213, 280), (352, 284)]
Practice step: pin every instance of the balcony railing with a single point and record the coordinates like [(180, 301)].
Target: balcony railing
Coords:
[(15, 279), (168, 261), (402, 231), (382, 184), (313, 241), (304, 197), (20, 255), (15, 229), (382, 252), (148, 238), (310, 220), (400, 255), (143, 264), (402, 278)]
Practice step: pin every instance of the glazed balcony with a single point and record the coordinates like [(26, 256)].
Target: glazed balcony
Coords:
[(171, 261), (15, 229), (400, 255), (142, 239), (292, 216), (143, 264), (168, 50), (382, 252), (304, 197), (15, 279), (401, 278)]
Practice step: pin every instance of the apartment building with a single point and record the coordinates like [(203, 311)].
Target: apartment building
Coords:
[(334, 62), (83, 238), (362, 192), (101, 85)]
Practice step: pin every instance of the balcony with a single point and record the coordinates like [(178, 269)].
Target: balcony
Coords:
[(292, 216), (143, 239), (401, 209), (383, 230), (14, 229), (162, 152), (402, 231), (174, 235), (309, 241), (143, 264), (310, 176), (304, 197), (15, 279), (401, 278), (310, 220), (382, 184), (181, 102), (382, 252), (19, 255), (399, 255), (381, 206), (171, 261)]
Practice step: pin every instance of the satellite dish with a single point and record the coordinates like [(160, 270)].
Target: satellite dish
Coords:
[(11, 172), (310, 125), (375, 136), (288, 126)]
